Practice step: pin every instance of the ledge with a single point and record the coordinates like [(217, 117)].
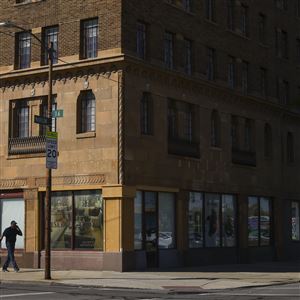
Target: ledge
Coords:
[(28, 2), (86, 135)]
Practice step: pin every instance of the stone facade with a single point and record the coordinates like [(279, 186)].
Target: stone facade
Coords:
[(117, 159)]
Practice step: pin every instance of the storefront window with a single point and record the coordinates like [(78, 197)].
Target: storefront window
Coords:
[(196, 220), (295, 222), (212, 220), (259, 221), (88, 220), (228, 221), (61, 216), (265, 228), (138, 217), (166, 204), (13, 209), (252, 221), (77, 220)]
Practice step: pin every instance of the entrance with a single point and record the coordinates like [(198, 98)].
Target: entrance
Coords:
[(151, 229)]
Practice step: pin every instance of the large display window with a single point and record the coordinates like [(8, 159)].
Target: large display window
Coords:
[(77, 220), (259, 221), (212, 220), (295, 222)]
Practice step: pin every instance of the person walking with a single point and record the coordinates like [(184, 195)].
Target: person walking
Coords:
[(10, 234)]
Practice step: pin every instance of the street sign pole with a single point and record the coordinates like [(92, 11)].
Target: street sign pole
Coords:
[(48, 177)]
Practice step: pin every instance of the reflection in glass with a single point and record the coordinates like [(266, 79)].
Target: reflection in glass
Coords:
[(295, 222), (61, 218), (166, 237), (138, 237), (212, 220), (195, 220), (228, 218), (88, 220), (265, 228), (150, 221), (252, 221)]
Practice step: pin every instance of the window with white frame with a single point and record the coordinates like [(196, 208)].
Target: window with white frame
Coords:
[(50, 35), (23, 51), (86, 112), (89, 38)]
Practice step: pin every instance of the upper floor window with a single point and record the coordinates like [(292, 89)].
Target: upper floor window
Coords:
[(89, 38), (298, 8), (215, 129), (248, 135), (168, 50), (244, 20), (281, 4), (211, 63), (263, 82), (245, 74), (230, 14), (234, 132), (86, 112), (50, 35), (262, 28), (146, 114), (23, 51), (281, 43), (231, 72), (210, 10), (187, 56), (283, 91), (22, 119), (268, 144), (298, 50), (187, 5), (141, 40), (290, 152)]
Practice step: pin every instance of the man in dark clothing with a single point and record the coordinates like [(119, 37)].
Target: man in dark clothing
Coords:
[(10, 234)]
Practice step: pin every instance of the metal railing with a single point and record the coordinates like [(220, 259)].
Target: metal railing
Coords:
[(26, 145)]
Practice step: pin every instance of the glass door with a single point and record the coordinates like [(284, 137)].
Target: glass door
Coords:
[(151, 229)]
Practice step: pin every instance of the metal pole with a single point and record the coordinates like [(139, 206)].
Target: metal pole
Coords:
[(48, 175)]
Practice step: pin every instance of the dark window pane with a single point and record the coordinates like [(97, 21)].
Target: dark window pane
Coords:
[(88, 220), (265, 222), (212, 220), (166, 237), (138, 221), (51, 36), (141, 40), (253, 215), (24, 40), (195, 220), (295, 221), (228, 221), (90, 38)]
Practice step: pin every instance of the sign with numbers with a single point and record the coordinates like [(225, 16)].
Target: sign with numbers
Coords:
[(51, 150)]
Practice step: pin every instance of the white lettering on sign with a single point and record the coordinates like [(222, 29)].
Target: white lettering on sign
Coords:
[(51, 151)]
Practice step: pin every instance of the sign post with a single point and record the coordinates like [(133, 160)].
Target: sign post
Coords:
[(51, 150)]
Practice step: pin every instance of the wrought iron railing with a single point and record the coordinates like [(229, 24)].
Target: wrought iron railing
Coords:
[(26, 145), (242, 157)]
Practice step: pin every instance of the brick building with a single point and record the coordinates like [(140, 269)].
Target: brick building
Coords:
[(180, 135)]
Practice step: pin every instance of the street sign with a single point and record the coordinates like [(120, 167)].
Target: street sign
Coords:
[(51, 150), (57, 113), (42, 120)]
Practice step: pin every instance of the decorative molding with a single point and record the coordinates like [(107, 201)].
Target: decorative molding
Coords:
[(121, 105), (73, 180), (13, 183)]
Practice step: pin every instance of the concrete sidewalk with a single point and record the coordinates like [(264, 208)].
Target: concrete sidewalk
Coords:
[(183, 279)]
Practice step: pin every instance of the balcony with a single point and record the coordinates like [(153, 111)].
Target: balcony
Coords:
[(26, 145), (183, 148), (242, 157)]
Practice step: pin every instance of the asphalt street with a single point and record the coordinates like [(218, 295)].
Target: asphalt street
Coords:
[(64, 292)]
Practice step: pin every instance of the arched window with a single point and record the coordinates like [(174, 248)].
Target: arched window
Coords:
[(290, 147), (215, 131), (268, 147), (86, 112)]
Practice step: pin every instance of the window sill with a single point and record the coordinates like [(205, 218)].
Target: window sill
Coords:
[(28, 2), (22, 156), (180, 8), (238, 34), (211, 22), (216, 148), (264, 45), (85, 135)]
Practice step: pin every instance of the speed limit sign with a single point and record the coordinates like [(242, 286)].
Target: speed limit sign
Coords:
[(51, 150)]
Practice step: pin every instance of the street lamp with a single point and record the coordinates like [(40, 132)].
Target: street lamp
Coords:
[(50, 51)]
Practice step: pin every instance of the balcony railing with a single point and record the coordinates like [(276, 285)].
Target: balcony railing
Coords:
[(242, 157), (26, 145), (183, 148)]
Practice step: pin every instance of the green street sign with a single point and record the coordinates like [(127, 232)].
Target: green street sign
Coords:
[(57, 113)]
